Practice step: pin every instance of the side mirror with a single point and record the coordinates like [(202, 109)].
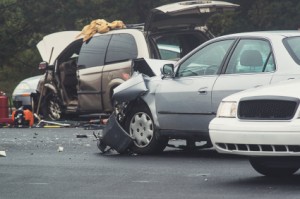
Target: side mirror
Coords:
[(167, 70), (43, 65)]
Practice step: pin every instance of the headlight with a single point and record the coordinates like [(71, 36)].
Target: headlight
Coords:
[(227, 109)]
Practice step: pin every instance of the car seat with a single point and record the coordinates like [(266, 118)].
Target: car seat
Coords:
[(250, 61)]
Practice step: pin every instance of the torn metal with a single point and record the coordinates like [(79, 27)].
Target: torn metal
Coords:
[(114, 137)]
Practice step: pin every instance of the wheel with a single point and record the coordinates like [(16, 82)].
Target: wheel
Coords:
[(52, 108), (267, 169), (139, 124)]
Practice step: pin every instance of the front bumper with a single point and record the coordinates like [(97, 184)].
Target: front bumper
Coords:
[(255, 138)]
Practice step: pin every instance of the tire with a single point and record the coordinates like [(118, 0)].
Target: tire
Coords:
[(267, 169), (52, 108), (139, 124)]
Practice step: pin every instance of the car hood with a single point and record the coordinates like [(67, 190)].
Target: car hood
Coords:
[(184, 14), (286, 88), (53, 44), (28, 85)]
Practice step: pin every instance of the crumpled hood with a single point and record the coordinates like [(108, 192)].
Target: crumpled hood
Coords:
[(135, 86), (58, 42)]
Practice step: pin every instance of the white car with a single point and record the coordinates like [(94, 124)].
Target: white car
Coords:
[(25, 93), (264, 124)]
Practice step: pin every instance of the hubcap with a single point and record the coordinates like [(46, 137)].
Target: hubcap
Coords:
[(55, 111), (141, 129)]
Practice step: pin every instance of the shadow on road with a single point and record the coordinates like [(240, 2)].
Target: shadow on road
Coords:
[(262, 180), (178, 153)]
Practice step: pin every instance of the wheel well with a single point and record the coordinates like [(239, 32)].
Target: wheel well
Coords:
[(138, 102)]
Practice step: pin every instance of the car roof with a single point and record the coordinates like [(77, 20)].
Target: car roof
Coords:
[(282, 33)]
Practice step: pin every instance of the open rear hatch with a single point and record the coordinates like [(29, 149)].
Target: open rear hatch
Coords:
[(185, 14)]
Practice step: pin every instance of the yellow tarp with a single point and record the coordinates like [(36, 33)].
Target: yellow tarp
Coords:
[(99, 26)]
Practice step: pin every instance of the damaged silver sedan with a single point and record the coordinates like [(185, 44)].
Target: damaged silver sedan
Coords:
[(181, 103)]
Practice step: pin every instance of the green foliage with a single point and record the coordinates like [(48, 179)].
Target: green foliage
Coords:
[(25, 22)]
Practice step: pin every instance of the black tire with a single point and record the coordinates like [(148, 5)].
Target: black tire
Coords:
[(52, 108), (139, 124), (267, 169)]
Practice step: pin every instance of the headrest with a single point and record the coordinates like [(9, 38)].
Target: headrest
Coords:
[(251, 58)]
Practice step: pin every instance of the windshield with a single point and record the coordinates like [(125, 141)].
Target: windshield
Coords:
[(292, 44)]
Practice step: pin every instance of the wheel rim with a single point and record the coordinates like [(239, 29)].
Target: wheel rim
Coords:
[(141, 129), (32, 105), (54, 110)]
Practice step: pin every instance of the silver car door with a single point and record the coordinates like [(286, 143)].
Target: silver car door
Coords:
[(251, 65), (90, 66), (184, 102)]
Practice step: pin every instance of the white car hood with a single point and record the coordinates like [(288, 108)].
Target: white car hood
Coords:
[(286, 88), (58, 42), (185, 14)]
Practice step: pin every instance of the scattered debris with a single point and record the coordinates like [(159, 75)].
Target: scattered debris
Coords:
[(44, 123), (60, 149), (81, 136), (114, 137), (2, 154)]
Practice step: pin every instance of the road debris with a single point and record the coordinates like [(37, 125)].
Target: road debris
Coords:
[(81, 136), (2, 154), (44, 123), (114, 137), (60, 149)]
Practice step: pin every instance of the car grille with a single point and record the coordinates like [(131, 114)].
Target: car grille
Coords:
[(267, 109), (259, 148)]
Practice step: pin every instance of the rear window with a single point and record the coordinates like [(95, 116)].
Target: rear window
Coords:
[(292, 44)]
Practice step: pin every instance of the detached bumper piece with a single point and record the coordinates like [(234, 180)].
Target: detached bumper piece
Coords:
[(114, 136)]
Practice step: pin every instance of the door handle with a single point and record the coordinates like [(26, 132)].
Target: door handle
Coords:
[(202, 91)]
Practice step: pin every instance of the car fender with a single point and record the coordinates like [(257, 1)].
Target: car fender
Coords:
[(130, 89), (114, 83), (50, 87), (135, 91)]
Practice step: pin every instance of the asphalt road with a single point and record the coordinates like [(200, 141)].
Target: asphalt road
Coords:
[(34, 168)]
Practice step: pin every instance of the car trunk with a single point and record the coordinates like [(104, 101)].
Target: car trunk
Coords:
[(186, 14)]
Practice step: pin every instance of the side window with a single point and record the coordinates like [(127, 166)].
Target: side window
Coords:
[(292, 45), (206, 61), (121, 47), (93, 51), (251, 56)]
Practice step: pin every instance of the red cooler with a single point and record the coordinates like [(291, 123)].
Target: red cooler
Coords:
[(4, 117)]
